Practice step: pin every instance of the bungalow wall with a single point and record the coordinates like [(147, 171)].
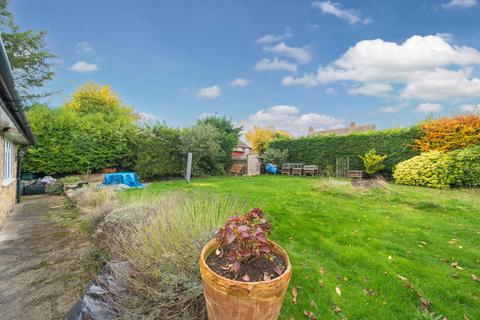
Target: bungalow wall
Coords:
[(7, 188)]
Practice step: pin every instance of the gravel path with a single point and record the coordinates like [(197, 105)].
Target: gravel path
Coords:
[(45, 262)]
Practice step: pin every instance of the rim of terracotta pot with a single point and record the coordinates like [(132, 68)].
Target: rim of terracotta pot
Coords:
[(276, 248)]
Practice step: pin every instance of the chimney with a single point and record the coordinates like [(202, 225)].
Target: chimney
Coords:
[(352, 124)]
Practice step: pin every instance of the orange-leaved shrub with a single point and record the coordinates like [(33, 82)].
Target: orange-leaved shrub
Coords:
[(449, 133)]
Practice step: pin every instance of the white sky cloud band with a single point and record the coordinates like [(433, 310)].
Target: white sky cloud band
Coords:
[(209, 92), (428, 68), (83, 47), (289, 118), (83, 67), (301, 55), (275, 64), (240, 82), (470, 108), (337, 10), (428, 108), (460, 3)]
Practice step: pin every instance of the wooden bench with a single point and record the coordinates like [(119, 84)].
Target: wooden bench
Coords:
[(237, 169), (310, 170), (286, 168), (297, 169), (355, 174)]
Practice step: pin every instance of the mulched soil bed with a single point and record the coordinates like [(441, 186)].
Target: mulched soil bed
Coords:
[(257, 269)]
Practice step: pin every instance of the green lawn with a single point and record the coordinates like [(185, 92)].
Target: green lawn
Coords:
[(384, 248)]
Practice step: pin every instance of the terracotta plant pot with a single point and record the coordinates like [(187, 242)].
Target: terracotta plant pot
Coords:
[(228, 299)]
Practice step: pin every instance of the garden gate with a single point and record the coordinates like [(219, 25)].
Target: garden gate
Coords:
[(342, 166)]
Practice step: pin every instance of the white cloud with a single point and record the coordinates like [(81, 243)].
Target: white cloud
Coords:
[(394, 108), (470, 108), (460, 3), (83, 47), (269, 38), (372, 89), (84, 67), (148, 117), (289, 118), (441, 84), (428, 107), (209, 92), (338, 11), (330, 91), (307, 80), (275, 64), (429, 67), (240, 82), (301, 55)]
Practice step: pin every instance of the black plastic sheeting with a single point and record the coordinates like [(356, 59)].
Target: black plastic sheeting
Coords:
[(95, 303)]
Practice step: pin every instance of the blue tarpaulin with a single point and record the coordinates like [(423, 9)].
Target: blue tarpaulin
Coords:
[(128, 178), (271, 168)]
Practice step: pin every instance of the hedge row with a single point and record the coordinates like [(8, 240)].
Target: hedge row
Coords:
[(324, 150)]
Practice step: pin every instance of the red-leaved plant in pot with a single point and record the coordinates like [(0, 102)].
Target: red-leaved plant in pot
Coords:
[(245, 275)]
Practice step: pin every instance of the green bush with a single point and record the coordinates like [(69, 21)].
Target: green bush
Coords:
[(432, 169), (469, 160), (323, 150), (228, 137), (203, 141), (373, 162), (158, 152)]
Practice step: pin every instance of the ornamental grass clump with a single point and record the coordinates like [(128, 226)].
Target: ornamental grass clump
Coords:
[(161, 239)]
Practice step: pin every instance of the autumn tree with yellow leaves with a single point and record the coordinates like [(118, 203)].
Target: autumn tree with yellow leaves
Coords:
[(260, 137), (92, 98)]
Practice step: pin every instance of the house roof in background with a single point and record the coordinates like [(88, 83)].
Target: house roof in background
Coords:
[(242, 144), (353, 128)]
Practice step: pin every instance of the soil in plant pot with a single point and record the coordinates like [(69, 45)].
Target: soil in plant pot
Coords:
[(263, 268)]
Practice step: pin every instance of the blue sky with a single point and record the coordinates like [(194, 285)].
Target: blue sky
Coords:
[(296, 63)]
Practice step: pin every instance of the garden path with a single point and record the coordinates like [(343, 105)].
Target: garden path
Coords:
[(45, 262)]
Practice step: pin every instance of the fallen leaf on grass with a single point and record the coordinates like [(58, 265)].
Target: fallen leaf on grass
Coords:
[(321, 283), (402, 278), (338, 291), (313, 304), (369, 292), (337, 309), (455, 265), (322, 271), (294, 295), (425, 304), (310, 315), (453, 241), (465, 317), (475, 278)]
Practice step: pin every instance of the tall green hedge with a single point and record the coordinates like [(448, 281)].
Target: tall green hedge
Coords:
[(324, 150), (71, 143)]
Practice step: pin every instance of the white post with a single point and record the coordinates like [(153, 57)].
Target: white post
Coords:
[(189, 167)]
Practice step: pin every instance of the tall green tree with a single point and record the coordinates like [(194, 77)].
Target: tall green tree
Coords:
[(228, 137), (202, 140), (30, 59)]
